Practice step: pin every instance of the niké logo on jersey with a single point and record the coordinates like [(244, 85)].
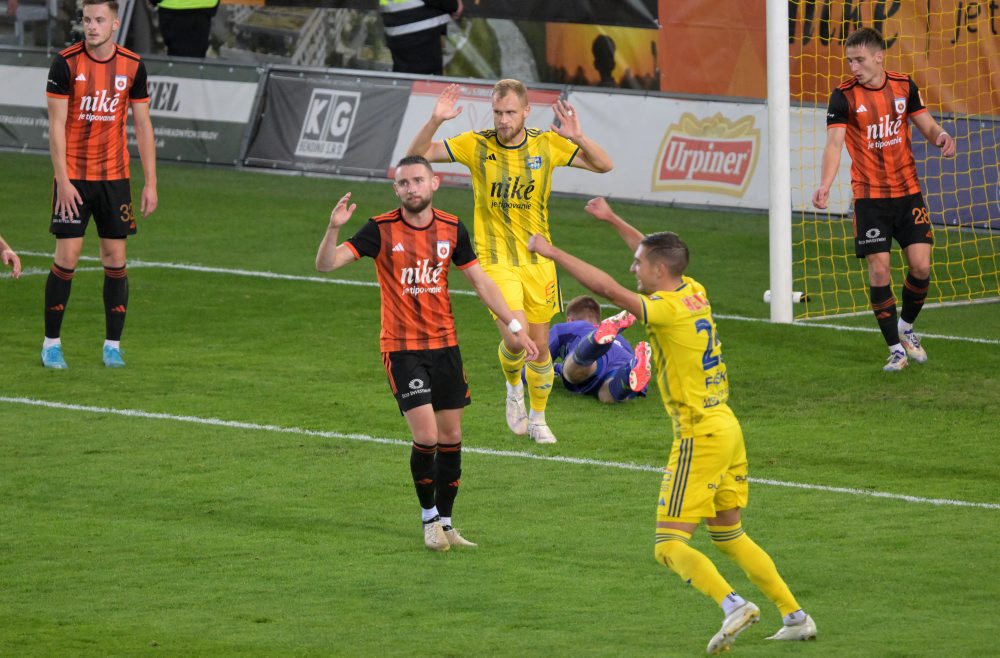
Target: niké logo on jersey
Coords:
[(327, 125)]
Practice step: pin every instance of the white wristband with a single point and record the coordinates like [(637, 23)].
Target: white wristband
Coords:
[(943, 133), (514, 326)]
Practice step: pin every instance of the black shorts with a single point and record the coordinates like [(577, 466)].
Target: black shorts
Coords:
[(110, 203), (878, 221), (434, 377)]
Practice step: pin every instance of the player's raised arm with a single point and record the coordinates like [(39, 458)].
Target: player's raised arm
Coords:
[(599, 208), (493, 298), (592, 278), (331, 255), (591, 157), (444, 110), (835, 137)]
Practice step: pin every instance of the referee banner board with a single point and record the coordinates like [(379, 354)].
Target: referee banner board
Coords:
[(328, 122), (200, 111)]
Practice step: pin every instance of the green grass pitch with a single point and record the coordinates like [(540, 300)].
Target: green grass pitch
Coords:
[(131, 523)]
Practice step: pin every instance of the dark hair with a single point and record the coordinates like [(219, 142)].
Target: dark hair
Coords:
[(866, 36), (667, 247), (112, 4), (414, 160), (583, 307)]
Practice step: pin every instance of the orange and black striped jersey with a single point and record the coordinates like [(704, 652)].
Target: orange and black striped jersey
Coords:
[(412, 268), (878, 134), (98, 95)]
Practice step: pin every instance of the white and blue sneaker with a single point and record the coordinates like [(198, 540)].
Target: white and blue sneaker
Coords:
[(113, 357), (52, 357), (911, 343), (897, 361)]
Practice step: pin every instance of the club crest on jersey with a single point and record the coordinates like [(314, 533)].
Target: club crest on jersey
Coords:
[(443, 249), (121, 82), (900, 105), (534, 162)]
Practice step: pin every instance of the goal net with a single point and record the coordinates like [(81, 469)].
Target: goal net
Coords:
[(952, 52)]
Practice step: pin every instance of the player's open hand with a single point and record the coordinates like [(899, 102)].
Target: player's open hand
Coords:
[(599, 208), (342, 212), (148, 201), (11, 260), (820, 197), (568, 121), (947, 145), (445, 108), (539, 245), (68, 200), (530, 349)]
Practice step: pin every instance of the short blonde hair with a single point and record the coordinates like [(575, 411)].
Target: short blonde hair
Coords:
[(511, 86)]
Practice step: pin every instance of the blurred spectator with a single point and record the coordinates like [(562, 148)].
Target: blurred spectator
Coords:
[(186, 25), (413, 31), (604, 59)]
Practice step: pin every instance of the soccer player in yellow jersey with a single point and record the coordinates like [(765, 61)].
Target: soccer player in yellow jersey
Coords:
[(511, 169), (706, 473)]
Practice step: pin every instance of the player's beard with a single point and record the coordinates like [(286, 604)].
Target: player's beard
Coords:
[(508, 135), (417, 205)]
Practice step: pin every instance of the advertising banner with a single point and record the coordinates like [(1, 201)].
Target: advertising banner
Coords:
[(674, 151), (602, 56), (332, 123), (200, 111)]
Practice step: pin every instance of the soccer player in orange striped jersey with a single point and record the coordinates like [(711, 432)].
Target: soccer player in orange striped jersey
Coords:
[(91, 87), (511, 169), (706, 477), (413, 247), (870, 113)]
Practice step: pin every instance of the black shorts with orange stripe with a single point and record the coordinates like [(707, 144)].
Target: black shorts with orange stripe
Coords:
[(108, 201), (435, 377), (878, 221)]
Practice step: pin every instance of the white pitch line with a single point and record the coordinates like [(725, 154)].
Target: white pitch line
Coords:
[(371, 284), (579, 461)]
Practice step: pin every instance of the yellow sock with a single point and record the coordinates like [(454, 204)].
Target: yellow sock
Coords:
[(511, 364), (691, 565), (539, 376), (758, 565)]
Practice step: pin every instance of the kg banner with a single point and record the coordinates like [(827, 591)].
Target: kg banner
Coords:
[(332, 123)]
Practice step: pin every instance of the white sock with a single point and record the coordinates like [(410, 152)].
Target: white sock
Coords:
[(795, 618), (515, 390), (428, 514), (536, 417), (49, 342), (904, 326), (113, 343), (446, 521), (895, 348), (731, 602)]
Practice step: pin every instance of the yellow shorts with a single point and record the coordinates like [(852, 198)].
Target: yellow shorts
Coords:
[(533, 289), (704, 475)]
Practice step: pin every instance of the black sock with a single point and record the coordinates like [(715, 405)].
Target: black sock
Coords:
[(448, 476), (57, 289), (914, 294), (422, 469), (115, 301), (884, 307)]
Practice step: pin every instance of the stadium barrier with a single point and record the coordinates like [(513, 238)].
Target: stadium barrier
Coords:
[(690, 151)]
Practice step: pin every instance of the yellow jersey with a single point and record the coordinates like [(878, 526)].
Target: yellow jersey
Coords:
[(687, 359), (511, 187)]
